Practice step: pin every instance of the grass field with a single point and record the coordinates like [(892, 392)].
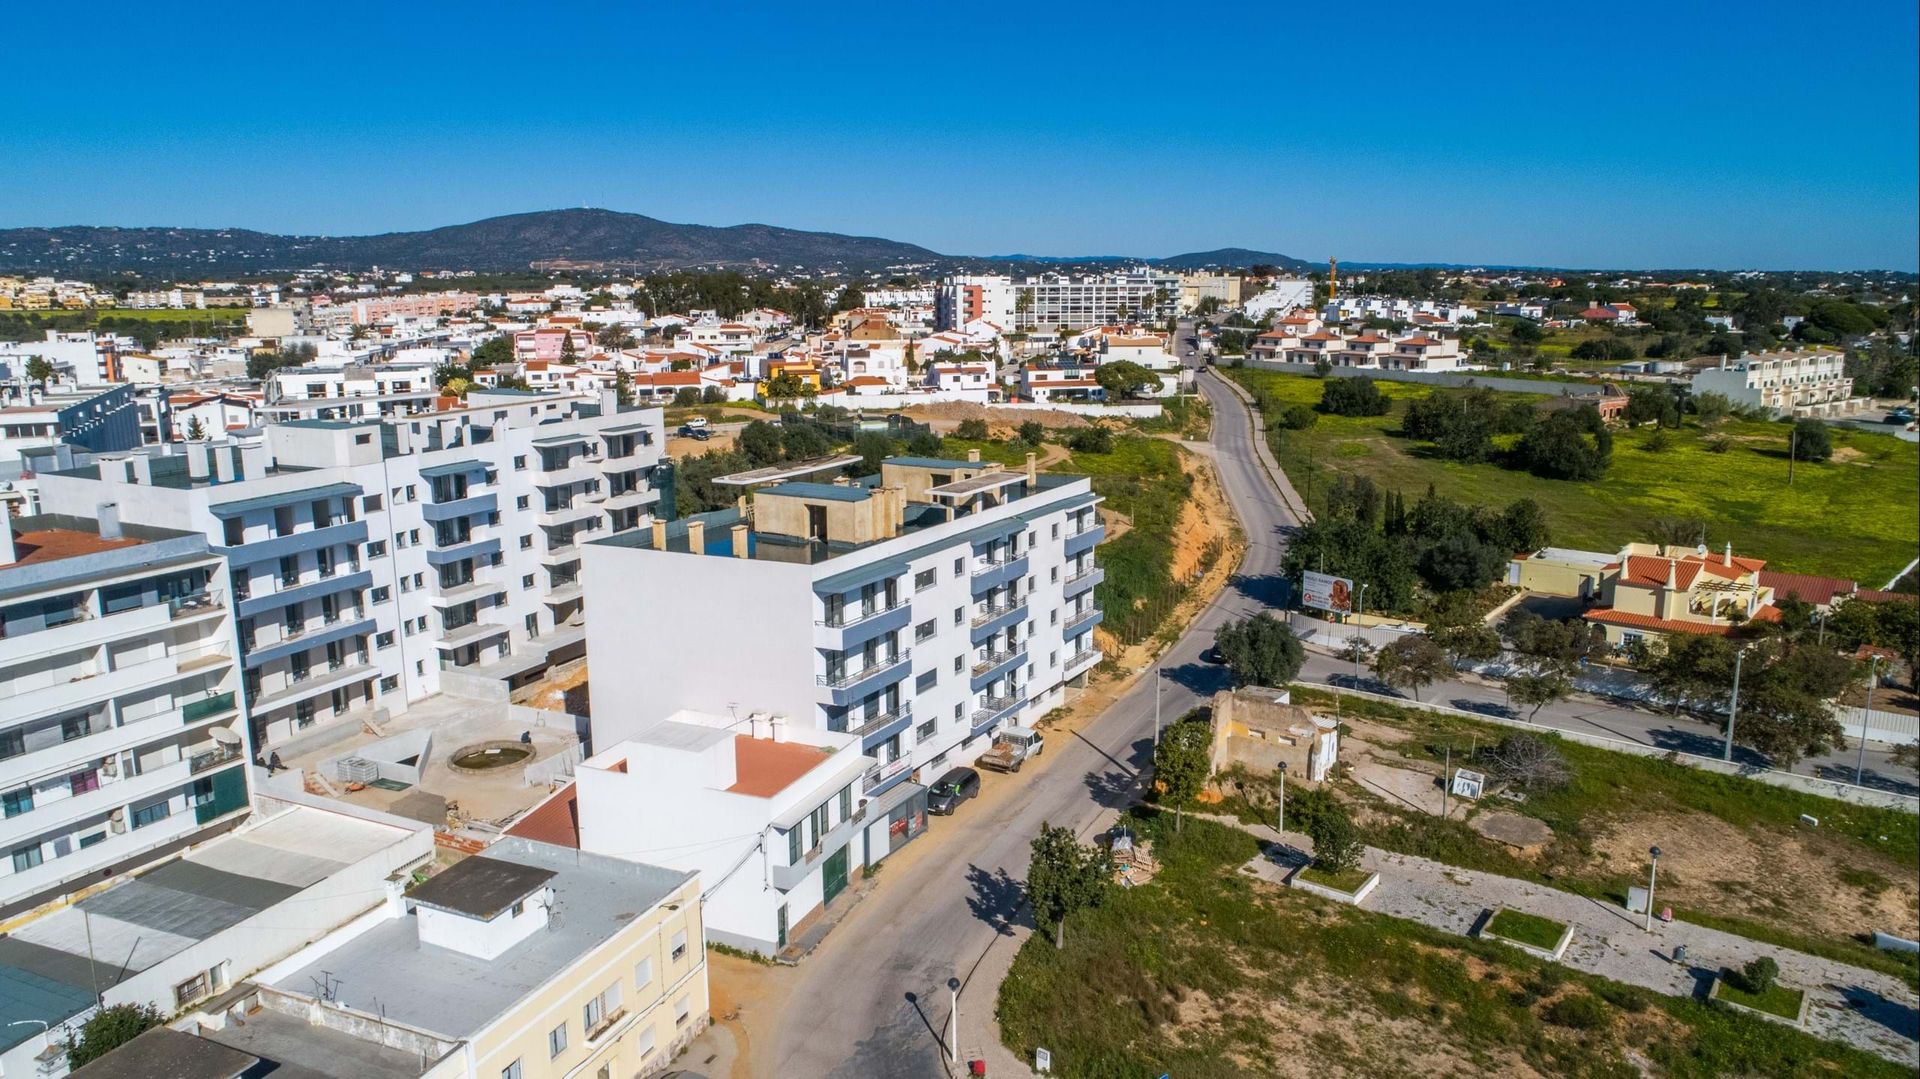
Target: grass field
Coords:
[(1527, 928), (168, 314), (1347, 880), (1850, 517), (1777, 1000), (1206, 973)]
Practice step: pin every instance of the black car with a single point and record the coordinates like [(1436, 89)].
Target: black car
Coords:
[(1213, 655), (947, 792)]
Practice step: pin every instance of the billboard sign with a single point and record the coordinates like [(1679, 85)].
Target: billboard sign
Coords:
[(1327, 593)]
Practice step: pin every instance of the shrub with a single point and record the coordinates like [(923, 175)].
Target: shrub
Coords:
[(1094, 439), (1297, 417), (1811, 440), (109, 1029), (974, 430), (1758, 975), (1032, 433), (1629, 998), (1336, 846), (1357, 396), (1578, 1011)]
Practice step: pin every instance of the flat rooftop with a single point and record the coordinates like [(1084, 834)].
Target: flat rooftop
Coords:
[(453, 994), (764, 767), (481, 886), (44, 964), (300, 1050), (34, 545)]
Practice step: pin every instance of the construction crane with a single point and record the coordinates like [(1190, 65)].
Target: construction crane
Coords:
[(1333, 278)]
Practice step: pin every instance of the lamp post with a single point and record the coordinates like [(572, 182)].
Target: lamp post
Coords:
[(1360, 601), (1157, 681), (1733, 706), (953, 1035), (1653, 876), (1281, 820), (1873, 675)]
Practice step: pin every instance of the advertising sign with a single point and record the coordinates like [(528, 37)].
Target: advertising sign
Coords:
[(1327, 593)]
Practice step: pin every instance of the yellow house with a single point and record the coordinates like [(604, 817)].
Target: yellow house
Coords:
[(1561, 571), (1653, 591), (526, 961)]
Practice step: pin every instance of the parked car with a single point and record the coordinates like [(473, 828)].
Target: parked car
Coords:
[(1902, 414), (697, 428), (947, 792)]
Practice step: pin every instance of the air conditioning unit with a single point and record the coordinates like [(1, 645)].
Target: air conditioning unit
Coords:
[(117, 821), (110, 766)]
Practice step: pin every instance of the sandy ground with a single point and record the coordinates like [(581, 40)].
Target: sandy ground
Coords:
[(563, 692), (1000, 421)]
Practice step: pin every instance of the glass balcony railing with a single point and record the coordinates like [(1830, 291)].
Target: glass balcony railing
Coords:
[(194, 711)]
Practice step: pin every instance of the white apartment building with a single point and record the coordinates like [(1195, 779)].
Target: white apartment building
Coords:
[(1280, 295), (1051, 300), (373, 564), (118, 696), (349, 391), (919, 610), (1784, 383), (89, 358), (773, 816)]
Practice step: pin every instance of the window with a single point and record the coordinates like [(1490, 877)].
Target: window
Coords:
[(681, 1009), (1056, 530), (406, 585), (926, 730), (926, 681), (383, 639), (520, 503), (413, 496), (817, 822), (679, 945), (924, 580), (381, 594), (846, 802), (600, 1008), (512, 1071), (926, 629), (1053, 659), (391, 683), (376, 548), (1053, 575), (26, 858), (959, 664), (370, 504), (519, 464), (793, 845), (1053, 617), (17, 801), (647, 1040), (526, 581), (526, 543), (399, 541), (407, 627), (959, 615), (643, 973), (397, 491), (960, 567), (146, 815), (556, 1041)]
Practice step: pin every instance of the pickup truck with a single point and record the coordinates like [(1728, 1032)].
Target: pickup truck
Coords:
[(1011, 748)]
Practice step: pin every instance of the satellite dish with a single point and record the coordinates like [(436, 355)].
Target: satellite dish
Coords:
[(224, 736), (1701, 550)]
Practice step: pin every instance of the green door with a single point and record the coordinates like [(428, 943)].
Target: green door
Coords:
[(834, 875)]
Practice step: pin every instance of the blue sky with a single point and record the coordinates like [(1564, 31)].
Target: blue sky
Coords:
[(1765, 134)]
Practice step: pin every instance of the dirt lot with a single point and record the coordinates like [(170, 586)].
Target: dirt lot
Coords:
[(1000, 421)]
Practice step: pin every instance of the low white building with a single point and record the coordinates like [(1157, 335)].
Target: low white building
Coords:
[(349, 391), (1280, 295), (1785, 383)]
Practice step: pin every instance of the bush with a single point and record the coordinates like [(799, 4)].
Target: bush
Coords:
[(973, 430), (1811, 440), (1357, 396), (1296, 417), (1336, 846), (1032, 433), (109, 1029), (1758, 976), (1578, 1011), (1094, 439)]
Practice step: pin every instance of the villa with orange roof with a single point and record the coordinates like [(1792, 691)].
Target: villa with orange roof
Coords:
[(1650, 591)]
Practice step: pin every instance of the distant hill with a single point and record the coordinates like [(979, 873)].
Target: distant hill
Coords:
[(513, 242), (1233, 256)]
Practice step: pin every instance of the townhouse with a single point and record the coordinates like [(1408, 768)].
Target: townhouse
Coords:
[(374, 563), (120, 679), (1813, 383), (919, 609)]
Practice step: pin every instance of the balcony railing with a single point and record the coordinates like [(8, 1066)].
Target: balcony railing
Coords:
[(848, 678), (994, 659), (883, 774), (1090, 571), (212, 758), (853, 616), (200, 602), (195, 711), (992, 613), (1089, 655), (1080, 617), (880, 722), (988, 565), (1082, 528)]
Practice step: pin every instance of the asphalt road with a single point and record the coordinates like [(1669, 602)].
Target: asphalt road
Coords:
[(936, 915)]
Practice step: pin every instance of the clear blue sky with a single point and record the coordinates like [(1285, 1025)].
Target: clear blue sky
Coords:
[(1765, 134)]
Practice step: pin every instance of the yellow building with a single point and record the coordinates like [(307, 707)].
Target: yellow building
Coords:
[(528, 960), (1561, 571), (1650, 591)]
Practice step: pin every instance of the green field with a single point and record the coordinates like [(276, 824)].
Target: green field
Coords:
[(1777, 1000), (1850, 517), (1515, 925), (168, 314)]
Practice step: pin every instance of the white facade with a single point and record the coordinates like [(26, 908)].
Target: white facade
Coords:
[(375, 564), (1784, 383), (117, 672), (917, 631), (349, 391), (1280, 296)]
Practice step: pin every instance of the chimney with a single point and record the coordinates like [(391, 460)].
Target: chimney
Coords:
[(777, 728), (1729, 553), (697, 537), (973, 457), (756, 725), (1673, 570), (108, 515), (739, 541), (659, 534), (1033, 478)]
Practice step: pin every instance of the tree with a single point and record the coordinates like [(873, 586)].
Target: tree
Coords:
[(1412, 662), (1460, 423), (924, 443), (623, 388), (1032, 433), (800, 441), (1064, 876), (492, 352), (1260, 651), (1786, 700), (1569, 444), (1474, 642), (196, 431), (40, 370), (760, 443), (1525, 526), (850, 298), (785, 386), (1296, 417), (873, 448), (713, 395), (1181, 761), (1691, 667), (110, 1028), (262, 364), (1758, 975), (1356, 650), (972, 430), (1357, 396), (1124, 378), (686, 397), (1811, 440), (1459, 560), (615, 337), (1539, 688), (1528, 762), (1091, 439), (1336, 845), (1677, 533), (569, 354)]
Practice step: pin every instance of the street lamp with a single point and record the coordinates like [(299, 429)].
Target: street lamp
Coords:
[(953, 1039), (1873, 675), (1733, 706), (1282, 819), (1653, 875), (1157, 682)]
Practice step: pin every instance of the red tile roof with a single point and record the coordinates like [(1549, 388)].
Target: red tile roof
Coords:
[(53, 544), (1614, 617), (764, 768), (1819, 591), (556, 820)]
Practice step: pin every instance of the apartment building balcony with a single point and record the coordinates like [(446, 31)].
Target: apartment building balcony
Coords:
[(208, 759), (470, 506), (465, 592), (856, 625), (995, 619), (787, 877), (1083, 580), (997, 665), (1082, 620), (278, 547), (872, 732), (25, 700), (994, 709), (262, 654), (639, 496), (471, 633), (578, 509), (317, 681), (885, 778), (353, 579), (561, 554), (581, 470), (1086, 657), (1081, 540), (850, 686), (562, 591), (114, 792), (213, 707), (988, 575), (481, 550), (102, 740)]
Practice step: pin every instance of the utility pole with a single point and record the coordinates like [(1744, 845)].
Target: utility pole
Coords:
[(1793, 449), (1446, 783), (1281, 821), (953, 1037), (1733, 705), (1157, 681), (1860, 765), (1653, 875)]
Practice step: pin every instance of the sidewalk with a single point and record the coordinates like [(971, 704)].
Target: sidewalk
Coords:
[(1862, 1008)]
